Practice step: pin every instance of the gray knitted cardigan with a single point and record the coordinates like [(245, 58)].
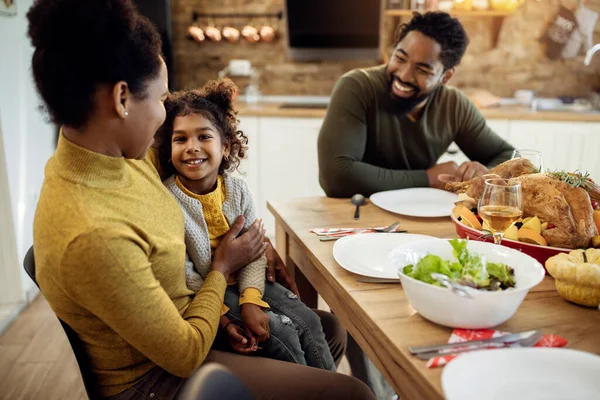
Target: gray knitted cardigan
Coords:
[(238, 201)]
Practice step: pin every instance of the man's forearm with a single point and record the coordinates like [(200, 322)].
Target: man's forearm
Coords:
[(344, 178), (500, 158)]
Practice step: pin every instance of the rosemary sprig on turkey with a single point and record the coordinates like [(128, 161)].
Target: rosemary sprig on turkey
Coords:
[(574, 179)]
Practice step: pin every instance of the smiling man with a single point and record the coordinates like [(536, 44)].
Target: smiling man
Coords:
[(387, 126)]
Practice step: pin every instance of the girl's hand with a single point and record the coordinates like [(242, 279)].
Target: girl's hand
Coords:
[(256, 321), (235, 252), (236, 337)]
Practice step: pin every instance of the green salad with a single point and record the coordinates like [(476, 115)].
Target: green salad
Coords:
[(469, 269)]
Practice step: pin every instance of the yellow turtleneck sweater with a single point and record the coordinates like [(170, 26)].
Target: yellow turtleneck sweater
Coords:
[(109, 248), (212, 209)]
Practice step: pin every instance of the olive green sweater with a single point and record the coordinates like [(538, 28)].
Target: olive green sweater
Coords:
[(366, 147), (110, 252)]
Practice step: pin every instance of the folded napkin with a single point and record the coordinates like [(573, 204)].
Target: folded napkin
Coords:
[(340, 232), (463, 335)]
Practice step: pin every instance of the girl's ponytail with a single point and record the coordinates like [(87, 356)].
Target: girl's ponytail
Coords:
[(223, 94)]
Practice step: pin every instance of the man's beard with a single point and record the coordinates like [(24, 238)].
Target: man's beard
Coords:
[(405, 105)]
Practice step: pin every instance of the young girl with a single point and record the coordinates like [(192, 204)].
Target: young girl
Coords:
[(199, 145)]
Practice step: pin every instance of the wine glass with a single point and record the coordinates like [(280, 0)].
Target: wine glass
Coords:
[(532, 155), (500, 205)]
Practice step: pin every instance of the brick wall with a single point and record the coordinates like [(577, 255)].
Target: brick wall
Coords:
[(518, 61)]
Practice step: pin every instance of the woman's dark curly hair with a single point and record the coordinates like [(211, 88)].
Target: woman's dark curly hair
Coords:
[(442, 28), (215, 101), (82, 44)]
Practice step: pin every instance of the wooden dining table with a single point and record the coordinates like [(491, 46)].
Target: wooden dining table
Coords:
[(379, 316)]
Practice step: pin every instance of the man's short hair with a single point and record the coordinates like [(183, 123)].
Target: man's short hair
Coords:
[(442, 28)]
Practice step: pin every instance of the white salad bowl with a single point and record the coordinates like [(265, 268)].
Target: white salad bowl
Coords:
[(482, 309)]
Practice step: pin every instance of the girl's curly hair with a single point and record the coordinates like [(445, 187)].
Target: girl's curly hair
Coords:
[(215, 101)]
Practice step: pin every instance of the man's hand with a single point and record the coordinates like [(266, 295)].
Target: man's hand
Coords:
[(433, 173), (469, 170), (256, 321), (236, 338), (276, 270)]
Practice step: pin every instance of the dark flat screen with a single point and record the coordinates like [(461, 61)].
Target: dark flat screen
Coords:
[(321, 24)]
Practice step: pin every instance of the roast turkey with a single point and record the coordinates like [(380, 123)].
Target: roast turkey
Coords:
[(564, 205)]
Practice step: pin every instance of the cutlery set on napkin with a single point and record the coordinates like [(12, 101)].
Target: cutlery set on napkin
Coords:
[(329, 234), (465, 340)]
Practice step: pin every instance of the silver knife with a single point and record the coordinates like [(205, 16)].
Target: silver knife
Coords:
[(527, 342), (441, 348)]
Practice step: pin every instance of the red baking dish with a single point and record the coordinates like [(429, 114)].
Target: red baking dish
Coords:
[(540, 253)]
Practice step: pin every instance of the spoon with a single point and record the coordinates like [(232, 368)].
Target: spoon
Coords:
[(358, 200)]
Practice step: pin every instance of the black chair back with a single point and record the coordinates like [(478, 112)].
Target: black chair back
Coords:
[(83, 359)]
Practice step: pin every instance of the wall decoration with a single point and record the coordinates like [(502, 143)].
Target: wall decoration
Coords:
[(233, 32)]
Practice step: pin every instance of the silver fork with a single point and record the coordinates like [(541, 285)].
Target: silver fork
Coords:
[(527, 342), (388, 229)]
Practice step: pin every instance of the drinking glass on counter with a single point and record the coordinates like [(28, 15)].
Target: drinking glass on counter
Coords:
[(500, 205), (532, 155)]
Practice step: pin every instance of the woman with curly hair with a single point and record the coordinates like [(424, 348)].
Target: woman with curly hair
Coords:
[(200, 145), (109, 238)]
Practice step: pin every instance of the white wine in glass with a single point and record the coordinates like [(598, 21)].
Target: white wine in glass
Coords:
[(500, 205), (532, 155)]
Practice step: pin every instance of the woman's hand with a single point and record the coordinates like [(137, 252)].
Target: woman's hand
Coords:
[(256, 321), (236, 337), (235, 252), (276, 270)]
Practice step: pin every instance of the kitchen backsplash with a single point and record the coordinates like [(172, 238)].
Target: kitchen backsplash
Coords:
[(517, 62)]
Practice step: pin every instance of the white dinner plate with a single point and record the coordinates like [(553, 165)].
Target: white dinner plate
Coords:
[(416, 202), (523, 374), (368, 253)]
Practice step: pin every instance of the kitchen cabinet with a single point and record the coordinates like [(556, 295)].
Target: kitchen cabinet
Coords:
[(500, 127), (590, 159), (562, 144), (282, 161), (453, 154), (249, 166), (566, 146), (288, 165)]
